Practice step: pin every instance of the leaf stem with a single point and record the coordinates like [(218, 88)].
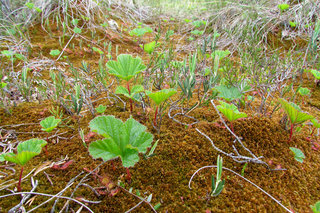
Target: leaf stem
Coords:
[(155, 117), (129, 94), (128, 174), (231, 126), (312, 131), (291, 131), (20, 177)]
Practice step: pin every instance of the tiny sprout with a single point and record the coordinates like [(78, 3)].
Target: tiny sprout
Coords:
[(77, 30), (231, 112), (197, 32), (298, 154), (149, 47), (304, 91), (292, 24), (295, 114), (283, 7), (101, 108), (54, 52), (218, 184), (49, 123)]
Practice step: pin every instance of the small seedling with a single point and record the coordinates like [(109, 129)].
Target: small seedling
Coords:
[(101, 109), (293, 24), (231, 112), (218, 184), (139, 31), (304, 92), (151, 152), (159, 98), (149, 47), (32, 6), (77, 30), (54, 52), (197, 32), (126, 67), (295, 115), (25, 152), (243, 169), (48, 124), (124, 140), (283, 7), (298, 154), (199, 23)]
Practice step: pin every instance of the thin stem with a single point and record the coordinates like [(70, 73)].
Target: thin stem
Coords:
[(113, 166), (20, 177), (128, 174), (231, 125), (291, 132), (46, 146), (129, 94), (312, 131), (155, 117)]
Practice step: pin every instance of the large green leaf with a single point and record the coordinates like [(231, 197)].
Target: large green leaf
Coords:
[(49, 123), (220, 53), (124, 140), (293, 112), (140, 31), (230, 111), (25, 151), (161, 95), (125, 67), (133, 91), (228, 93), (32, 145)]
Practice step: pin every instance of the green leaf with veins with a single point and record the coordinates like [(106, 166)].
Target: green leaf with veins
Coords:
[(161, 95), (294, 113), (298, 154), (49, 123), (124, 140), (230, 111), (228, 93), (25, 151), (125, 67), (133, 91)]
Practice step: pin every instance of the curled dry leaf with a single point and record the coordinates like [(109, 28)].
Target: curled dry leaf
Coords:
[(62, 166), (88, 136), (315, 146)]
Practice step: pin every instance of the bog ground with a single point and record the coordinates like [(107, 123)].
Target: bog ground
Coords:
[(159, 106)]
